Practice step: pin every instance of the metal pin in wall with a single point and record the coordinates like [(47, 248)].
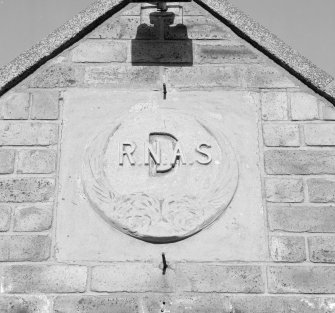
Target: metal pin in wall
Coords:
[(164, 91), (165, 266)]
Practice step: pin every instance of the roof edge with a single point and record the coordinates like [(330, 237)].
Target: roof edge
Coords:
[(59, 40), (276, 49), (244, 26)]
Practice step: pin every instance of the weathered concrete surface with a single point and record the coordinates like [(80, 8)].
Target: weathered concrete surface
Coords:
[(83, 235), (168, 200)]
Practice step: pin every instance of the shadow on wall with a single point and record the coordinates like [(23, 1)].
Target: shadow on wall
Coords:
[(161, 43)]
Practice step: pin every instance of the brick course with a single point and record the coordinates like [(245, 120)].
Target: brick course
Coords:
[(304, 106), (322, 249), (5, 217), (321, 190), (28, 134), (14, 106), (280, 304), (26, 304), (220, 278), (284, 190), (7, 159), (319, 134), (24, 248), (101, 51), (274, 106), (281, 135), (45, 106), (27, 189), (97, 304), (302, 219), (287, 248), (32, 218), (36, 161), (301, 279), (43, 278), (300, 162), (137, 277)]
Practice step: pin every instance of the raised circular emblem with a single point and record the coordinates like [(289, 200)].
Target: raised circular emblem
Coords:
[(160, 175)]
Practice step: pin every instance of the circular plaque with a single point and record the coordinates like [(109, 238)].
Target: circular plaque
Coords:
[(160, 175)]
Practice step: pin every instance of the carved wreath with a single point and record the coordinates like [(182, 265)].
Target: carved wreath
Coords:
[(142, 215)]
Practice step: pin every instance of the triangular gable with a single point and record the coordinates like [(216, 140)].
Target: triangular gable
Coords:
[(257, 35)]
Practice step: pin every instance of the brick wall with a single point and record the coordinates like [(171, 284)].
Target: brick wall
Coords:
[(298, 178)]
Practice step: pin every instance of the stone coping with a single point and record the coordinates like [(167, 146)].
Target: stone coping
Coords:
[(101, 10)]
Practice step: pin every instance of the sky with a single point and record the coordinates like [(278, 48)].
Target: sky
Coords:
[(306, 25)]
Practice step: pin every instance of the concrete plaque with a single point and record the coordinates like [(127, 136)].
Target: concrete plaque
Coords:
[(182, 172), (160, 175)]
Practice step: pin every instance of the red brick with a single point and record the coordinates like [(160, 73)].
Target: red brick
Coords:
[(274, 106), (200, 28), (321, 190), (30, 218), (27, 189), (28, 134), (328, 111), (220, 278), (300, 162), (37, 161), (320, 134), (24, 248), (97, 304), (43, 278), (281, 304), (45, 105), (266, 76), (284, 190), (55, 76), (304, 106), (281, 135), (162, 52), (25, 304), (221, 52), (287, 248), (100, 51), (5, 217), (186, 303), (7, 159), (131, 277), (122, 76), (301, 279), (122, 27), (302, 219), (204, 76), (14, 106), (322, 249)]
